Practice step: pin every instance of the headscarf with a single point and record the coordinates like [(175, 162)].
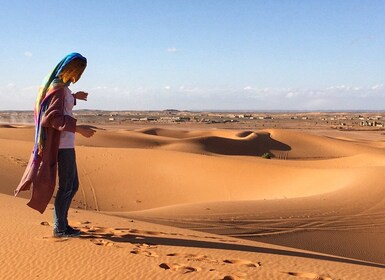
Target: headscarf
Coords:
[(50, 84)]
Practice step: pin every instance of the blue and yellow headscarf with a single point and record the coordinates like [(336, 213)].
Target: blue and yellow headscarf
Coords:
[(50, 84)]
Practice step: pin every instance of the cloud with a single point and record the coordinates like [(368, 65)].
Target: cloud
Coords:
[(377, 87), (28, 54), (172, 50), (10, 86), (16, 97), (199, 97), (291, 94)]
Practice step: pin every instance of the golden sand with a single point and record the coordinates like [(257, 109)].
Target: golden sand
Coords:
[(203, 204)]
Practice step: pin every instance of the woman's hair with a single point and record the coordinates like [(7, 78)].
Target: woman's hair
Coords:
[(73, 70)]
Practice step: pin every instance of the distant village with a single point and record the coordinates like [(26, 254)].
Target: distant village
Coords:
[(307, 120), (272, 119)]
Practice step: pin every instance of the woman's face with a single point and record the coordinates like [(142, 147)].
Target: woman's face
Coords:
[(76, 75), (73, 71)]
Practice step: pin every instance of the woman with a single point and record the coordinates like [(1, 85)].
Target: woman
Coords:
[(54, 151)]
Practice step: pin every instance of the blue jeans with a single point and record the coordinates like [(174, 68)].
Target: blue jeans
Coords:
[(68, 186)]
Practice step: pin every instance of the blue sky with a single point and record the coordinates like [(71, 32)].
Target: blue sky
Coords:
[(199, 55)]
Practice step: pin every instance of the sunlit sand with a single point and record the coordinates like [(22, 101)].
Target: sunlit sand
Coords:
[(200, 203)]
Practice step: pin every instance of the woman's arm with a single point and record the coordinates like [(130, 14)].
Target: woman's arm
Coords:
[(85, 130), (81, 95)]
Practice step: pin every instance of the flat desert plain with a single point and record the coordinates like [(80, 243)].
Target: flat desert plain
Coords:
[(200, 202)]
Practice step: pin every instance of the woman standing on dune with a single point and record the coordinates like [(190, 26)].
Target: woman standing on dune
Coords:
[(54, 148)]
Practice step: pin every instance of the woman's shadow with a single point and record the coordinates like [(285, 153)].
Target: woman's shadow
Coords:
[(135, 238)]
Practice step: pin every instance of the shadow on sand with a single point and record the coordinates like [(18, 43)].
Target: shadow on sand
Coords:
[(255, 144), (156, 240)]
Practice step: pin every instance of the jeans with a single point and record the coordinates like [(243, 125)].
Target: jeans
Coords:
[(68, 186)]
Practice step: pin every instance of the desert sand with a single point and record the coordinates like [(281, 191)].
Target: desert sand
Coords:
[(201, 203)]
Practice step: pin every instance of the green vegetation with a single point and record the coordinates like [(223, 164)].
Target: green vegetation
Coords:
[(266, 155)]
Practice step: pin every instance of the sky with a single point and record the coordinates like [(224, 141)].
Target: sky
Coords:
[(199, 54)]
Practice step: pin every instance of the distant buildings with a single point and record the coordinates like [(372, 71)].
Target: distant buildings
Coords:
[(247, 120), (371, 123), (339, 121)]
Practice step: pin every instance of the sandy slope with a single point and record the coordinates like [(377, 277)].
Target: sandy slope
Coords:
[(116, 248), (318, 193)]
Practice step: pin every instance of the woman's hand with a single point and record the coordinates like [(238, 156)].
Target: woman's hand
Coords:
[(81, 95), (85, 130)]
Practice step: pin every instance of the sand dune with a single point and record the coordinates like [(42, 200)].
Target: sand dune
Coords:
[(319, 193), (117, 248)]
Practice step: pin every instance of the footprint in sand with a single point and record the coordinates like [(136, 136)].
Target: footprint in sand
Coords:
[(145, 253), (195, 258), (243, 262), (102, 242), (172, 255), (86, 227), (231, 277), (16, 160), (144, 249), (200, 258), (20, 162), (55, 239), (110, 231), (181, 268), (309, 275), (97, 230)]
